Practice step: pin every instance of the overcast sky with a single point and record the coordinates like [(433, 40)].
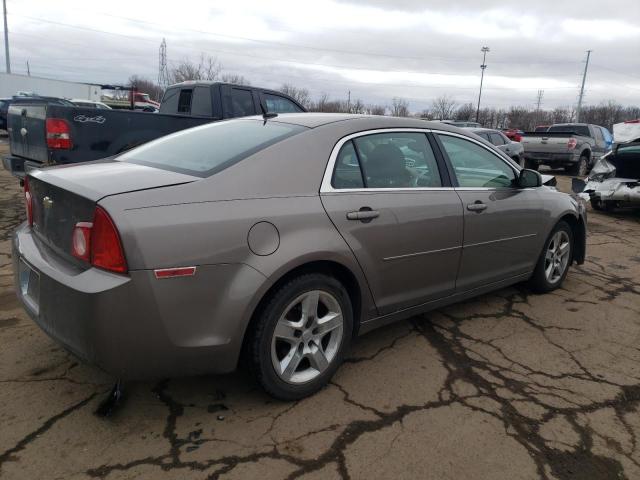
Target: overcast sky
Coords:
[(416, 50)]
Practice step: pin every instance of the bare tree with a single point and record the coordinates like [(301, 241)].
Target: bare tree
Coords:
[(466, 112), (207, 68), (300, 95), (443, 107), (399, 107), (145, 85), (235, 78), (375, 109)]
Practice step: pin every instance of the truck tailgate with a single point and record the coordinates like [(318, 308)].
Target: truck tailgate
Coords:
[(542, 144), (26, 127)]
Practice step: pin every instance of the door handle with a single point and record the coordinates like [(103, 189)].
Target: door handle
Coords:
[(476, 207), (365, 214)]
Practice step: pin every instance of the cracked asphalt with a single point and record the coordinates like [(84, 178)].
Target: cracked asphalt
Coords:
[(510, 385)]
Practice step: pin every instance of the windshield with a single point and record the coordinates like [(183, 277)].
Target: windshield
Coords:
[(203, 151), (579, 129)]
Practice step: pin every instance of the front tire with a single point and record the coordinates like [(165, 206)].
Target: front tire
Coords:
[(555, 259), (300, 337)]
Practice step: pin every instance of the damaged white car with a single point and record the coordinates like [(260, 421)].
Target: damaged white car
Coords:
[(614, 181)]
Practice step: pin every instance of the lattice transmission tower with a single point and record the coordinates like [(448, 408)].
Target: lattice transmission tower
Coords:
[(163, 72)]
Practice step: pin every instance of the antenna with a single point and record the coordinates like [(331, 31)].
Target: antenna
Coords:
[(163, 74)]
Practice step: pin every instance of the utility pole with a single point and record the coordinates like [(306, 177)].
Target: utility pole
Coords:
[(484, 51), (6, 37), (584, 78), (28, 69), (349, 102)]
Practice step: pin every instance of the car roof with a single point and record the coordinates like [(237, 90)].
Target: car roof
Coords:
[(314, 120), (484, 130)]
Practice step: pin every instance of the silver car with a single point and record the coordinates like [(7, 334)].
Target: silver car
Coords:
[(515, 150), (279, 239)]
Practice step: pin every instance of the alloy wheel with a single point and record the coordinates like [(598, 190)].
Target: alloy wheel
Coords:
[(307, 337), (557, 256)]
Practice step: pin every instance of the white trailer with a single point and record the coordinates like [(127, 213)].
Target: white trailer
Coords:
[(11, 84)]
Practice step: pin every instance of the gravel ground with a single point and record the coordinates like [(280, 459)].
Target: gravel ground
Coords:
[(510, 385)]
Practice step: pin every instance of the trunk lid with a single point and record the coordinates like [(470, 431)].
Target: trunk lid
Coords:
[(65, 195)]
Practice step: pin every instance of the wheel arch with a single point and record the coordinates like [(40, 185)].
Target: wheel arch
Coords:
[(328, 267), (579, 230)]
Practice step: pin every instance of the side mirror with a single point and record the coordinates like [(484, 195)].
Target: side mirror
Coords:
[(529, 179), (577, 185)]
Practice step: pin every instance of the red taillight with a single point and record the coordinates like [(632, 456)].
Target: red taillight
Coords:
[(572, 143), (106, 249), (28, 201), (517, 137), (58, 134), (99, 243)]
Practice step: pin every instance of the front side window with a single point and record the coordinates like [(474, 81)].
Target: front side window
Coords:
[(208, 149), (387, 160), (278, 104), (476, 166), (240, 103)]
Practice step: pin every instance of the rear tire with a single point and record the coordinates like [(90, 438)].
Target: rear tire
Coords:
[(554, 261), (580, 168), (596, 204), (301, 335)]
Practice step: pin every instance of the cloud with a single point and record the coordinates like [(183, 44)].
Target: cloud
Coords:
[(375, 49)]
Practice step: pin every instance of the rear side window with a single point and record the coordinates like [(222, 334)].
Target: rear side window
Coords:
[(184, 101), (201, 104), (347, 173), (278, 104), (169, 102), (496, 139), (387, 160), (203, 151)]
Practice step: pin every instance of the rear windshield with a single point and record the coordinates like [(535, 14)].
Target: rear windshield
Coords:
[(208, 149), (579, 129)]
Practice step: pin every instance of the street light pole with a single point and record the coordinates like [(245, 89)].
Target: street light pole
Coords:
[(484, 51), (6, 37)]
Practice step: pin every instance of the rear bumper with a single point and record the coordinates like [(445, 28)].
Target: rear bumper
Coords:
[(19, 166), (135, 326), (546, 158)]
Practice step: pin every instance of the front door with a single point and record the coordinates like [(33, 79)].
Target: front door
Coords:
[(401, 218), (501, 221)]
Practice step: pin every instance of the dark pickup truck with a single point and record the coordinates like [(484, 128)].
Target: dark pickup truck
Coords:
[(46, 134)]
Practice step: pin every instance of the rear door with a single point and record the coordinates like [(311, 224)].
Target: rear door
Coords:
[(391, 199), (501, 221)]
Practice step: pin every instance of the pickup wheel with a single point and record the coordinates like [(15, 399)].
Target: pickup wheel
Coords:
[(580, 168), (596, 204)]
